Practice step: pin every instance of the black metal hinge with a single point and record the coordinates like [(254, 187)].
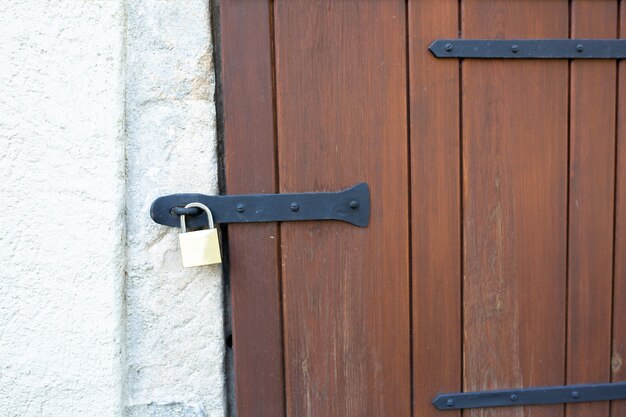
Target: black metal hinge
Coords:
[(529, 48), (351, 205), (532, 396)]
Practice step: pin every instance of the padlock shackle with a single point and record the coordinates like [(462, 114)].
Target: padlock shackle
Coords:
[(183, 226)]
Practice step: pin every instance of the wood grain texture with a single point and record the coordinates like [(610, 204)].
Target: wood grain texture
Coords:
[(591, 204), (514, 131), (618, 367), (342, 118), (436, 206), (251, 168), (486, 195)]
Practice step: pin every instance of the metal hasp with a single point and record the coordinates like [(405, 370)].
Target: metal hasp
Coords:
[(351, 205), (532, 396), (529, 48)]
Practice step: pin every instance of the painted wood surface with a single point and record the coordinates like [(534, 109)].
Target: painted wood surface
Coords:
[(515, 205), (618, 356), (250, 165), (591, 205), (341, 112), (435, 146), (495, 254)]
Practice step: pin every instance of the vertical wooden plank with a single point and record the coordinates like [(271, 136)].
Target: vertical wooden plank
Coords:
[(514, 132), (591, 204), (436, 206), (251, 168), (618, 408), (342, 118)]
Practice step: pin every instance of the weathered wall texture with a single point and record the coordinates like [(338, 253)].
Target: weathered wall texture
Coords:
[(106, 104), (175, 331), (62, 193)]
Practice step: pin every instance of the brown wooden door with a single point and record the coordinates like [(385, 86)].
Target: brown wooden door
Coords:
[(496, 252)]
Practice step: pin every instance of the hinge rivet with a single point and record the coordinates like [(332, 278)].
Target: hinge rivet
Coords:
[(354, 204), (448, 47), (450, 403), (514, 49), (580, 47), (513, 397), (294, 207), (575, 394), (240, 208)]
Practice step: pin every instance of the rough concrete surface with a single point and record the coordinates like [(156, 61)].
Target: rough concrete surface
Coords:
[(106, 104), (62, 191), (175, 327)]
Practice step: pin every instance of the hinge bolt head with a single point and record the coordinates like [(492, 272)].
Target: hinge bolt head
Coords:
[(354, 204), (450, 403), (575, 394), (514, 49), (294, 207), (448, 47), (580, 47), (513, 397), (240, 208)]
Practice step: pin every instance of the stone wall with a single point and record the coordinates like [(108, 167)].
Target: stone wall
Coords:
[(106, 104)]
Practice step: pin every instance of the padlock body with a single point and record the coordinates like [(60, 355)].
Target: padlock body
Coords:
[(201, 247)]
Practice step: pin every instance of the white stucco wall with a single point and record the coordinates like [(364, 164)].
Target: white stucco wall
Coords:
[(105, 104), (175, 344)]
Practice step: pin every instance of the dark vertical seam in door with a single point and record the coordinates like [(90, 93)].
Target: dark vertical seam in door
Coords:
[(615, 179), (409, 198), (461, 208), (567, 205), (278, 243), (218, 97)]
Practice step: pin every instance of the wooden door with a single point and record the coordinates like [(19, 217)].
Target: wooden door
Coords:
[(496, 252)]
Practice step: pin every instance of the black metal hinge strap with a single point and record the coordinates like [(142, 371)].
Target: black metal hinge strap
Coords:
[(529, 48), (532, 396), (351, 205)]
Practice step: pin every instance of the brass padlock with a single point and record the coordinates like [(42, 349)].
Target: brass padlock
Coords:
[(201, 247)]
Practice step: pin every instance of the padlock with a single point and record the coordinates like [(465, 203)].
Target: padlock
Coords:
[(200, 247)]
